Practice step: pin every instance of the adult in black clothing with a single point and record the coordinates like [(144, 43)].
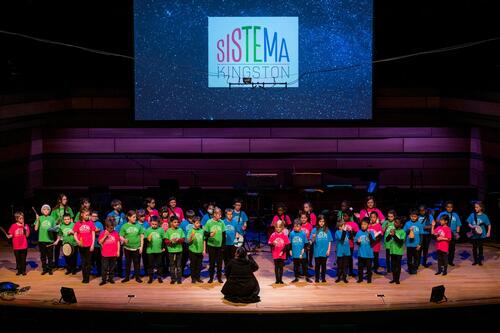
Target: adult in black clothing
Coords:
[(241, 285)]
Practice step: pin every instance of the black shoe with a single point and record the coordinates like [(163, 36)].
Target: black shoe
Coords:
[(24, 273), (18, 273), (44, 272), (352, 274), (323, 280), (275, 282), (316, 280), (220, 280), (445, 273), (309, 280), (111, 281), (369, 281), (389, 271), (179, 281), (67, 273), (138, 279), (73, 272), (392, 281), (438, 273), (426, 265), (397, 282), (193, 281), (295, 280), (85, 281), (102, 283), (473, 264), (338, 280), (160, 280), (172, 281), (150, 280), (480, 263), (50, 272), (210, 280), (127, 279), (359, 281), (451, 264), (199, 280)]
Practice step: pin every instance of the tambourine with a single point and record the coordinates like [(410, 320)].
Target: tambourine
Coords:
[(67, 249), (478, 230), (238, 241)]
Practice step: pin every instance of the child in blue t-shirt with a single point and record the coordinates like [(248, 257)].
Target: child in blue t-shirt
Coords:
[(343, 251), (231, 231), (298, 239), (365, 238), (322, 240), (425, 219), (478, 218), (455, 225), (413, 231)]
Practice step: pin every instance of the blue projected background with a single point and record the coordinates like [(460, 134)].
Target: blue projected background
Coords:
[(189, 69)]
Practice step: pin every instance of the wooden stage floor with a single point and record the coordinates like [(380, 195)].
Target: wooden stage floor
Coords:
[(465, 284)]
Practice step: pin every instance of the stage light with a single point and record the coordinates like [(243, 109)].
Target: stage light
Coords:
[(372, 187), (437, 294), (67, 295)]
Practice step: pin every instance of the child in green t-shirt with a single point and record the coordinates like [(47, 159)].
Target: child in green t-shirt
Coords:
[(155, 236), (387, 226), (132, 235), (174, 237), (66, 234), (197, 248), (44, 225), (215, 234), (396, 239)]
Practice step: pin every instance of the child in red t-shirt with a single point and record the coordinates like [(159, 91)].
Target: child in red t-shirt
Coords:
[(19, 233), (110, 250), (443, 237), (84, 231), (279, 243)]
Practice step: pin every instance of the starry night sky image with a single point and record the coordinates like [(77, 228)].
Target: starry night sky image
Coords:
[(171, 62)]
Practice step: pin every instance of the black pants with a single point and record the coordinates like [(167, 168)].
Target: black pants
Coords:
[(299, 263), (278, 269), (342, 267), (320, 268), (477, 249), (185, 257), (362, 264), (424, 251), (451, 251), (175, 265), (195, 261), (85, 256), (388, 266), (132, 257), (46, 256), (229, 251), (71, 260), (96, 260), (376, 264), (442, 261), (396, 266), (108, 265), (154, 263), (21, 260), (214, 259), (413, 259), (350, 263)]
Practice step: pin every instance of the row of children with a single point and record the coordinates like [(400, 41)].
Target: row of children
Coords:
[(394, 233)]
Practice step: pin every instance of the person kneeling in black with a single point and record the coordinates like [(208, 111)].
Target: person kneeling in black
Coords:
[(241, 285)]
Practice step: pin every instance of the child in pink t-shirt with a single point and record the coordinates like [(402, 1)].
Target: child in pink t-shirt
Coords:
[(110, 250), (377, 244), (307, 227), (308, 209), (371, 206), (281, 216), (279, 243), (19, 233), (149, 207), (354, 228), (443, 237), (84, 232)]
